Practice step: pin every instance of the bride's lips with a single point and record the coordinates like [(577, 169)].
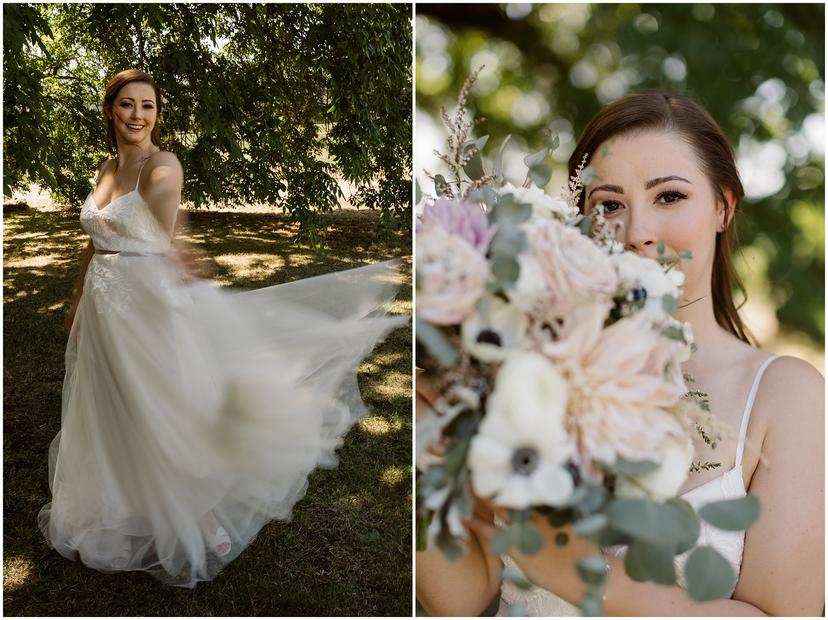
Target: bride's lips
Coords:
[(135, 127)]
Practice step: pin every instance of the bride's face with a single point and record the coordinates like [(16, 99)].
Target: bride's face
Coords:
[(653, 189), (134, 113)]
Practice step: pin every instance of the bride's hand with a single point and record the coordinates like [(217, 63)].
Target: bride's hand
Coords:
[(194, 263), (552, 568), (70, 316)]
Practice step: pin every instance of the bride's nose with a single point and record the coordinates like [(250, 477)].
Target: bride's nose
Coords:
[(640, 237)]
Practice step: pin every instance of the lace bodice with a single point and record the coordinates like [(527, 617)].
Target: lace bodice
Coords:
[(729, 485), (125, 225)]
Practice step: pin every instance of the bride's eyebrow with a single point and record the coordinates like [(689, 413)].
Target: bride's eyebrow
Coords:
[(608, 188), (660, 180)]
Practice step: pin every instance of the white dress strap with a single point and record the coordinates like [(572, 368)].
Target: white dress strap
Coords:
[(740, 447), (138, 180)]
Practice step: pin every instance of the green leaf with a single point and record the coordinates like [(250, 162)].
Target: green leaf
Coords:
[(527, 538), (474, 167), (660, 248), (514, 575), (418, 195), (553, 141), (592, 569), (436, 342), (506, 269), (732, 514), (535, 158), (498, 164), (709, 575), (585, 225), (632, 468), (609, 537), (673, 332), (440, 185), (590, 525), (592, 605), (687, 524), (501, 541), (669, 304), (650, 561), (540, 174), (642, 518)]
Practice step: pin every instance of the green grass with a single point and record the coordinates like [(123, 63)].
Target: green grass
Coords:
[(347, 550)]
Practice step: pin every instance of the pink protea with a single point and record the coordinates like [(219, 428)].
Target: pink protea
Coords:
[(461, 219)]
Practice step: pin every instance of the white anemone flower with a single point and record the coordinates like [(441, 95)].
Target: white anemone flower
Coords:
[(520, 453), (646, 279), (493, 330), (676, 457)]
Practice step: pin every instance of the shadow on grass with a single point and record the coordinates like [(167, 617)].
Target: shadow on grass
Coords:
[(347, 550)]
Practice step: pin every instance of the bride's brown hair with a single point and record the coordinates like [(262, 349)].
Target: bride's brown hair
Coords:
[(113, 87), (658, 110)]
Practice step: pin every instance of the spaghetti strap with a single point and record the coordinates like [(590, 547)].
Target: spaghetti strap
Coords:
[(138, 180), (740, 447)]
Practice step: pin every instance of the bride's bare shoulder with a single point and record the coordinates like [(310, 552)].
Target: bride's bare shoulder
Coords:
[(794, 387), (164, 170)]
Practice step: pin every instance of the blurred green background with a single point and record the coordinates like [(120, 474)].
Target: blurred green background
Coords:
[(757, 68)]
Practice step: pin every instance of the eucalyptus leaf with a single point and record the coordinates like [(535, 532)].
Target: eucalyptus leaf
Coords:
[(669, 304), (540, 174), (687, 524), (474, 167), (514, 575), (592, 606), (673, 332), (501, 541), (440, 185), (534, 159), (418, 195), (527, 538), (585, 225), (506, 269), (660, 248), (731, 514), (632, 468), (590, 525), (553, 141), (592, 569), (709, 575), (649, 561), (449, 545), (436, 342), (498, 164), (642, 518)]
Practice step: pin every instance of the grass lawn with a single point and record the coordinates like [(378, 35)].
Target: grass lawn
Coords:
[(347, 550)]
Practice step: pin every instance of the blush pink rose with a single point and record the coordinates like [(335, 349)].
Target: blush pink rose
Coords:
[(575, 270), (451, 276)]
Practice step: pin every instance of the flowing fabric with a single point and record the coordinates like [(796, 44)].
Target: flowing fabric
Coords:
[(185, 406)]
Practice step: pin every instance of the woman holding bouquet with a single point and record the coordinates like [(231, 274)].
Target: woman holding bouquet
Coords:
[(667, 180)]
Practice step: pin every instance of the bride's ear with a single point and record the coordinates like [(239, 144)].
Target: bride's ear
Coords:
[(725, 210)]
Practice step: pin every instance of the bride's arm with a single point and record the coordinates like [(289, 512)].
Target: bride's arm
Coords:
[(468, 585), (464, 587), (165, 179), (77, 291), (783, 565)]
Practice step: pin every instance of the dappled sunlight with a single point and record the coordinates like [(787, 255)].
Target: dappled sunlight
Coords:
[(377, 425), (394, 475), (395, 385), (380, 360), (35, 261), (16, 573), (258, 265)]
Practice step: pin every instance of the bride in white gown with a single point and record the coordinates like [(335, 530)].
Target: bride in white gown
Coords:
[(664, 171), (191, 416)]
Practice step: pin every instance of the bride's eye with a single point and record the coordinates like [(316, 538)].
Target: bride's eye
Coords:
[(670, 197), (610, 206)]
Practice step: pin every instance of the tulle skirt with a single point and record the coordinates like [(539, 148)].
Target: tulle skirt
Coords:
[(185, 407)]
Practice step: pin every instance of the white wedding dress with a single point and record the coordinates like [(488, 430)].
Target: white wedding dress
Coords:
[(729, 485), (186, 407)]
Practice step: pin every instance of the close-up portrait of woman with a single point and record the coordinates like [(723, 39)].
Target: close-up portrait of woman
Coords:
[(620, 391)]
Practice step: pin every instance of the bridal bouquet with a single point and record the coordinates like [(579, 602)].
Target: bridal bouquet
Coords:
[(557, 357)]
